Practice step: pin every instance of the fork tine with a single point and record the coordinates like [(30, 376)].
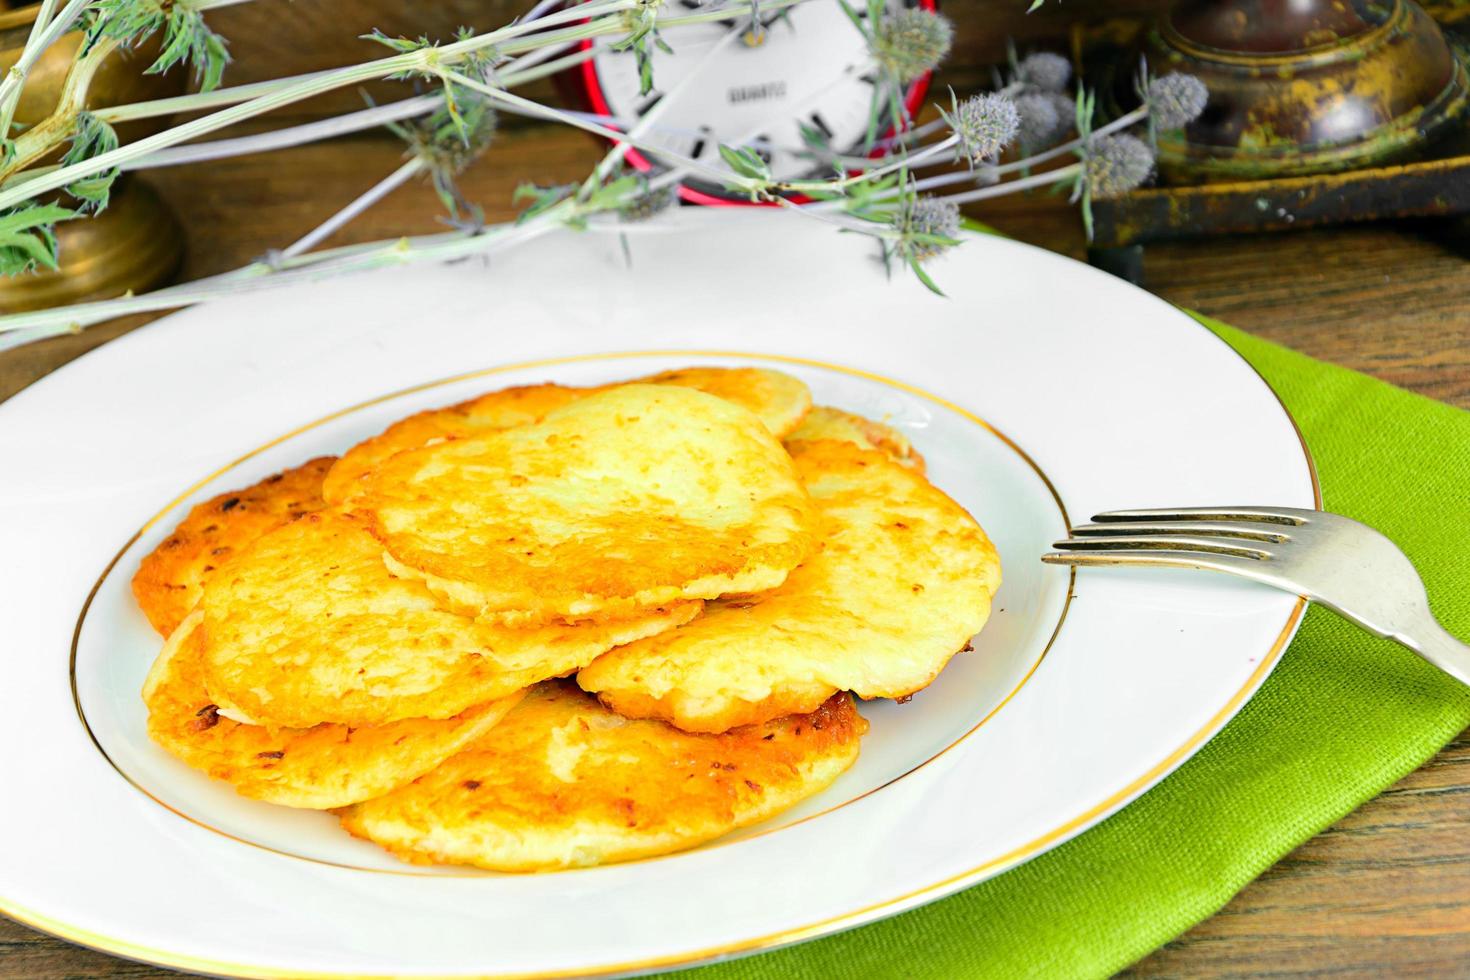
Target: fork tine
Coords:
[(1270, 515), (1163, 542), (1243, 567), (1224, 529)]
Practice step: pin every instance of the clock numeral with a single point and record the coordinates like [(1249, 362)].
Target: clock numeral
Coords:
[(764, 147), (701, 144), (654, 98)]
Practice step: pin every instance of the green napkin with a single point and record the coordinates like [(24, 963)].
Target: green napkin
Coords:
[(1343, 716)]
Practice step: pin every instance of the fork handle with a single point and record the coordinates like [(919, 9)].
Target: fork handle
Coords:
[(1435, 644)]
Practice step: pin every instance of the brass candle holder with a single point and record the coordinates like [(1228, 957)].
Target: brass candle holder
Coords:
[(1301, 87), (136, 243), (1320, 112)]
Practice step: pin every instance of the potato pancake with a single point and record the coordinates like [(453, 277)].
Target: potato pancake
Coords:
[(779, 400), (307, 625), (902, 581), (320, 768), (490, 412), (563, 782), (824, 422), (171, 578), (629, 499)]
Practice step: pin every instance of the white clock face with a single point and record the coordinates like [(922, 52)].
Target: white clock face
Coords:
[(811, 68)]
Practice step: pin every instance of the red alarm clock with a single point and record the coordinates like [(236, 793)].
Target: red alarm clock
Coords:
[(810, 68)]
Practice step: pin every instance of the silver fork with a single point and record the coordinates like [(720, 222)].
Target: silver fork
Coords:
[(1346, 566)]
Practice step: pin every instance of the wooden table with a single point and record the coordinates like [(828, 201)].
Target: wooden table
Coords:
[(1387, 890)]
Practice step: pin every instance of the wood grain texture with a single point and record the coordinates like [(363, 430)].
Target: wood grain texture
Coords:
[(1387, 890)]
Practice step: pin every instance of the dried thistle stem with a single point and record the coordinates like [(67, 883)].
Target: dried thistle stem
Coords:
[(360, 204), (45, 31), (506, 40)]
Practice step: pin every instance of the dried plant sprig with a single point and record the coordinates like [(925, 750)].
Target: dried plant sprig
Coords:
[(910, 230), (1117, 164), (509, 40), (649, 203), (46, 30), (901, 44), (93, 137), (927, 228), (983, 126), (914, 230), (187, 39), (912, 42), (447, 141), (641, 21)]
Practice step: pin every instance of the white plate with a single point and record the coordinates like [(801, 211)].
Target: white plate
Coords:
[(1041, 388)]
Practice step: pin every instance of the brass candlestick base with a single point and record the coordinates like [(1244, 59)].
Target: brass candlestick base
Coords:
[(1302, 87), (136, 243)]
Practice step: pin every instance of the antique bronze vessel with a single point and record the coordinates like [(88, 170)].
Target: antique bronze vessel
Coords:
[(1302, 87), (137, 242)]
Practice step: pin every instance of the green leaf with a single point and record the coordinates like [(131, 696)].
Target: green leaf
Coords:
[(1085, 103), (27, 241), (187, 39), (614, 194), (542, 198), (852, 16), (745, 162), (92, 138), (929, 238), (925, 279), (402, 45)]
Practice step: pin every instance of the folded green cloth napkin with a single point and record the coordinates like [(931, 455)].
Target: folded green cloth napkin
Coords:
[(1343, 716)]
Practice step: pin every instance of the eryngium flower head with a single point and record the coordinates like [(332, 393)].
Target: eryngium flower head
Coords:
[(985, 125), (912, 42), (1117, 164), (927, 216), (1066, 108), (1044, 70), (649, 203), (1176, 100), (1040, 123)]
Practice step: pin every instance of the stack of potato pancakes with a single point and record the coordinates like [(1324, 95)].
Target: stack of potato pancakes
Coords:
[(554, 626)]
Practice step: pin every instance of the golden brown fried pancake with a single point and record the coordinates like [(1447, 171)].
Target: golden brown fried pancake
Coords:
[(563, 782), (622, 501), (780, 401), (307, 625), (169, 581), (318, 768), (902, 581), (824, 422), (495, 410)]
